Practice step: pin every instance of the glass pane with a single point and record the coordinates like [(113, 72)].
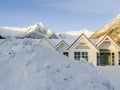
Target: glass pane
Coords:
[(75, 53), (83, 53), (86, 53)]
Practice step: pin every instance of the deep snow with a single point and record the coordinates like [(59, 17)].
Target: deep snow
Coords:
[(112, 73), (27, 65)]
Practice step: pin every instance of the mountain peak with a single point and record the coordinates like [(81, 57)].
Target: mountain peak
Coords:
[(38, 25), (37, 31)]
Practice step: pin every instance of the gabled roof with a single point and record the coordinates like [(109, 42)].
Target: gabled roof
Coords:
[(54, 42), (102, 39), (97, 40), (69, 41), (62, 41), (94, 41), (47, 41), (78, 39)]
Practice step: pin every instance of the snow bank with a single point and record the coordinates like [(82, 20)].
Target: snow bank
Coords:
[(112, 73), (27, 65)]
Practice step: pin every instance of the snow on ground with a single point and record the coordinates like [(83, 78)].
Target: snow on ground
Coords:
[(27, 65), (112, 73)]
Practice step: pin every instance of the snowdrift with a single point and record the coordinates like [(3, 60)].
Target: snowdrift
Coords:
[(28, 65)]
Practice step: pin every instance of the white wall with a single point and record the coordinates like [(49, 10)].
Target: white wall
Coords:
[(91, 50), (112, 46)]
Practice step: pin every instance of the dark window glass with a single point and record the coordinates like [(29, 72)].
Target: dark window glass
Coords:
[(65, 53)]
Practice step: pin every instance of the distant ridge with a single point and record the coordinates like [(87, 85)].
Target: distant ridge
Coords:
[(71, 34), (111, 28), (38, 30)]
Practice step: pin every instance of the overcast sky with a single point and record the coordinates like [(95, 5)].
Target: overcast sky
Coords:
[(59, 15)]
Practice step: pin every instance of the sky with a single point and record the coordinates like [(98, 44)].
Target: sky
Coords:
[(59, 15)]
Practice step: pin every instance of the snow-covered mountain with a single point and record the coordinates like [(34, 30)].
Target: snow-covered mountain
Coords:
[(11, 31), (111, 28), (38, 30), (72, 34), (24, 66)]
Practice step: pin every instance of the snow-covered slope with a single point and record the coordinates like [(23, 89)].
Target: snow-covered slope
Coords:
[(71, 34), (27, 65), (111, 73), (11, 31), (111, 28), (38, 30)]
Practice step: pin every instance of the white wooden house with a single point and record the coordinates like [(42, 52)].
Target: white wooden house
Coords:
[(62, 47), (109, 51), (82, 47), (103, 51)]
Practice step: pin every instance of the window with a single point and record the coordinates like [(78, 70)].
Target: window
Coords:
[(119, 58), (78, 55), (85, 55), (113, 58), (65, 53), (98, 59)]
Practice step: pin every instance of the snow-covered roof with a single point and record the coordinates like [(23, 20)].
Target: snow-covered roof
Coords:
[(104, 37), (54, 42), (79, 38), (69, 41), (97, 40), (94, 41)]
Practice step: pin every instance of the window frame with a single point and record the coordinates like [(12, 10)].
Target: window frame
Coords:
[(66, 54), (119, 58), (113, 58), (78, 55)]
